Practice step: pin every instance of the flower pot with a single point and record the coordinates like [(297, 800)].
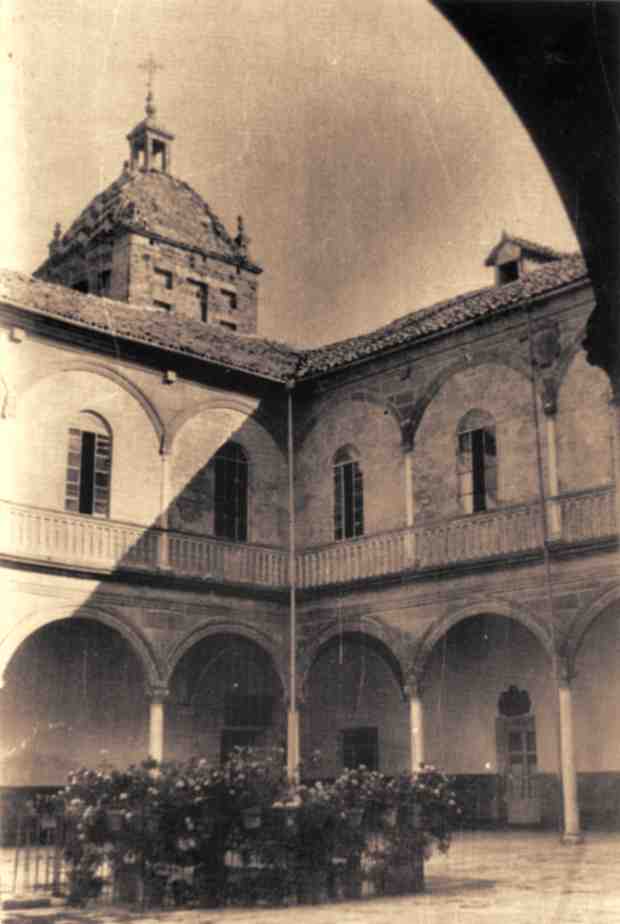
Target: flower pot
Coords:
[(128, 886), (115, 819), (389, 817), (356, 816), (252, 818)]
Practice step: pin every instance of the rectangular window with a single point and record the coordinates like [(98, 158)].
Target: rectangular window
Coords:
[(165, 277), (243, 710), (231, 493), (89, 465), (349, 501), (360, 746), (201, 291), (477, 470), (229, 298), (104, 279)]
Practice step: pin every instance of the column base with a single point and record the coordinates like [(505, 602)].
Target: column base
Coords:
[(572, 840)]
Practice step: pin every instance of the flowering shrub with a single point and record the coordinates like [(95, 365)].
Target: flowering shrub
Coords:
[(152, 818)]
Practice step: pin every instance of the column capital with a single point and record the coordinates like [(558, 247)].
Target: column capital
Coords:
[(565, 671), (158, 693), (413, 686), (407, 436), (549, 396)]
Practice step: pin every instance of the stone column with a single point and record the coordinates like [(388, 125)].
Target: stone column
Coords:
[(554, 512), (407, 434), (293, 747), (157, 723), (164, 500), (413, 691), (572, 830)]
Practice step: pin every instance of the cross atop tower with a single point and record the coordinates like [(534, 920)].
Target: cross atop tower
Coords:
[(151, 66), (149, 143)]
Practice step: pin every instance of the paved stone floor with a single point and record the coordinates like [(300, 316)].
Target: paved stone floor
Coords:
[(505, 877)]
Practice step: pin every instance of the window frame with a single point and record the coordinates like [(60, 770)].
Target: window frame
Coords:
[(88, 471), (348, 479), (230, 508), (477, 463)]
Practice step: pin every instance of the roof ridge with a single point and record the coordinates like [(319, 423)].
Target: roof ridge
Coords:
[(274, 359)]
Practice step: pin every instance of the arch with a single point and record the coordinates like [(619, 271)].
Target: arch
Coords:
[(330, 404), (372, 629), (243, 406), (491, 607), (460, 365), (94, 419), (154, 675), (580, 625), (475, 420), (347, 453), (241, 629), (106, 372)]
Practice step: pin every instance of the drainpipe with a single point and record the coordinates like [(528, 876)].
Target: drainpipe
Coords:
[(292, 738), (571, 833)]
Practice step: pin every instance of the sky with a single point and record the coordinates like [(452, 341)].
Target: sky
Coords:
[(373, 158)]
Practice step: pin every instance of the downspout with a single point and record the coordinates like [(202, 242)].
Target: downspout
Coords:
[(292, 739), (568, 778)]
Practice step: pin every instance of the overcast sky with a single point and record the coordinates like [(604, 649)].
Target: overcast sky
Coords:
[(372, 157)]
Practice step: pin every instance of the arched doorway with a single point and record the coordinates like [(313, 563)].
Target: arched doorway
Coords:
[(490, 715), (225, 692), (354, 711), (74, 695)]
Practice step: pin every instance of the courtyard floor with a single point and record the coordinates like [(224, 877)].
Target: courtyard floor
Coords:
[(512, 877)]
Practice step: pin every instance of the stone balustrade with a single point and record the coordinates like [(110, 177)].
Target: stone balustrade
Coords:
[(89, 542), (587, 514)]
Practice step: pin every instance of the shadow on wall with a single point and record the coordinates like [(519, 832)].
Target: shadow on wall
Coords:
[(78, 678)]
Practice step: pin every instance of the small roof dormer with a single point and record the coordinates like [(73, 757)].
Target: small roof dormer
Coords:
[(512, 257)]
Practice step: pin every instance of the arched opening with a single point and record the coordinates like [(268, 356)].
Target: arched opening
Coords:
[(74, 695), (596, 692), (225, 692), (353, 684), (490, 714)]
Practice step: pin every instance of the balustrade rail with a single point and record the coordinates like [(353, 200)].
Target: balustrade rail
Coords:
[(53, 535), (199, 556), (588, 514)]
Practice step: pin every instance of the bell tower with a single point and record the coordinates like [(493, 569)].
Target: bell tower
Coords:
[(150, 145)]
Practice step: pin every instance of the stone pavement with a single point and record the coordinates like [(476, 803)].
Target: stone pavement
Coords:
[(516, 878)]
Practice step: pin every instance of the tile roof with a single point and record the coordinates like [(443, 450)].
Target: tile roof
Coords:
[(261, 357), (152, 202), (444, 316), (267, 358)]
